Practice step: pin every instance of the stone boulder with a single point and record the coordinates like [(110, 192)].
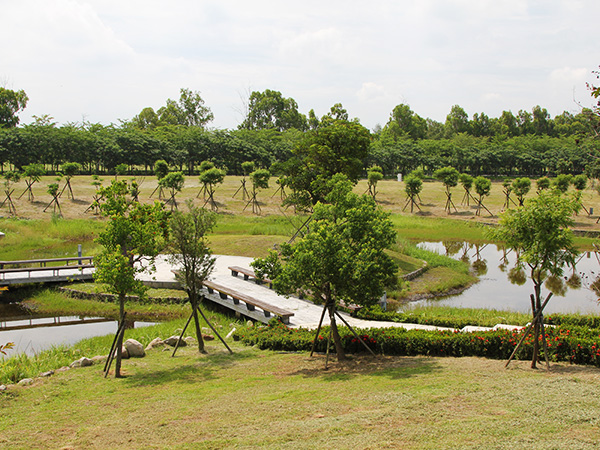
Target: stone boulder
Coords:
[(172, 341), (135, 348), (156, 342), (81, 362), (25, 382)]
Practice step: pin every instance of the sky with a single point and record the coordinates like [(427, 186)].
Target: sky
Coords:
[(103, 61)]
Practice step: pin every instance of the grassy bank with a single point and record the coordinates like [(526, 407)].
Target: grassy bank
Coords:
[(274, 400)]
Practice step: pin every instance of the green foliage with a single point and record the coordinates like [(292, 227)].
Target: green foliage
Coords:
[(206, 165), (270, 110), (578, 346), (521, 187), (11, 102), (260, 178), (34, 172), (412, 185), (247, 167), (161, 169), (482, 186), (448, 176), (466, 181), (543, 183), (579, 182), (562, 182)]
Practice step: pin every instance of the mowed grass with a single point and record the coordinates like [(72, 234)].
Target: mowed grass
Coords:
[(274, 400)]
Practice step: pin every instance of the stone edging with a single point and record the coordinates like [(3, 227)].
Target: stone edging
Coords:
[(112, 298), (416, 273)]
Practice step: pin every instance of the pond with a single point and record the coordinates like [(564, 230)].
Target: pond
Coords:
[(574, 292), (32, 334)]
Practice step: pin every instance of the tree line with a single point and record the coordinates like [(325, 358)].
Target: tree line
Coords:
[(274, 132)]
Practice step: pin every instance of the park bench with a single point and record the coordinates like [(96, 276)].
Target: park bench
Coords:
[(250, 302), (248, 273)]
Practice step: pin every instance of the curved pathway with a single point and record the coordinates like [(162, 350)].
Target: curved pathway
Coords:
[(306, 314)]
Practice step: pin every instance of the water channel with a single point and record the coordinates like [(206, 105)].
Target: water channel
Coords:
[(574, 292), (32, 334)]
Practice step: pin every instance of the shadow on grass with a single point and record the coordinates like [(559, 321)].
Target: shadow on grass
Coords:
[(395, 368), (188, 368)]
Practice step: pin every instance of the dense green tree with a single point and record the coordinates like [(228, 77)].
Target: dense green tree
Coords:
[(341, 258), (374, 175), (413, 185), (466, 181), (11, 103), (335, 147), (542, 184), (562, 182), (209, 179), (483, 187), (173, 182), (457, 121), (270, 110)]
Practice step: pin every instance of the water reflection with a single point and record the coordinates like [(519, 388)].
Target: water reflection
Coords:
[(33, 333), (504, 287)]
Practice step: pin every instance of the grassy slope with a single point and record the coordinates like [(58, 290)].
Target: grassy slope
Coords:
[(253, 398)]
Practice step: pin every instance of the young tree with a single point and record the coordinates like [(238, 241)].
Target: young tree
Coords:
[(161, 169), (483, 186), (412, 186), (247, 169), (189, 250), (521, 187), (210, 178), (580, 183), (466, 182), (542, 184), (342, 257), (540, 234), (260, 180), (174, 182), (131, 241), (449, 178), (10, 178), (69, 170), (33, 173), (507, 189), (562, 182), (374, 175), (53, 191)]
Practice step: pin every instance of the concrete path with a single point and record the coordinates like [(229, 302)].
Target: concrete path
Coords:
[(306, 314)]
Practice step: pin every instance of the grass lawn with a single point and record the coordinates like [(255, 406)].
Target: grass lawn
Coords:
[(275, 400)]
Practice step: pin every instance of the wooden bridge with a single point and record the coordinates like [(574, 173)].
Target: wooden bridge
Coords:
[(49, 270)]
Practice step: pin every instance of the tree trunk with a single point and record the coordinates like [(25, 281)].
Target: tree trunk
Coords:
[(536, 305), (194, 302), (119, 345), (339, 348)]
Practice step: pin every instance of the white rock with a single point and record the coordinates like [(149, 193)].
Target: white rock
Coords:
[(503, 326), (99, 358), (124, 352), (134, 348), (472, 328), (3, 387), (25, 382), (47, 374), (81, 362)]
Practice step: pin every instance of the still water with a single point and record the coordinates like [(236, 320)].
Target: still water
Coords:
[(495, 290), (32, 334)]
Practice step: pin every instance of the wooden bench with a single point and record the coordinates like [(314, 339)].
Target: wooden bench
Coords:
[(249, 273), (250, 302)]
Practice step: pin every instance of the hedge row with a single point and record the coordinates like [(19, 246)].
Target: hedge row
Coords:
[(577, 345)]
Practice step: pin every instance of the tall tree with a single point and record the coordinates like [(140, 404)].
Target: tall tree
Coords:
[(189, 251), (132, 239), (11, 103), (341, 258), (270, 110), (540, 234), (335, 147)]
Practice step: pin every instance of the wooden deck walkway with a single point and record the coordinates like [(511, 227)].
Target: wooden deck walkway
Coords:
[(47, 270)]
